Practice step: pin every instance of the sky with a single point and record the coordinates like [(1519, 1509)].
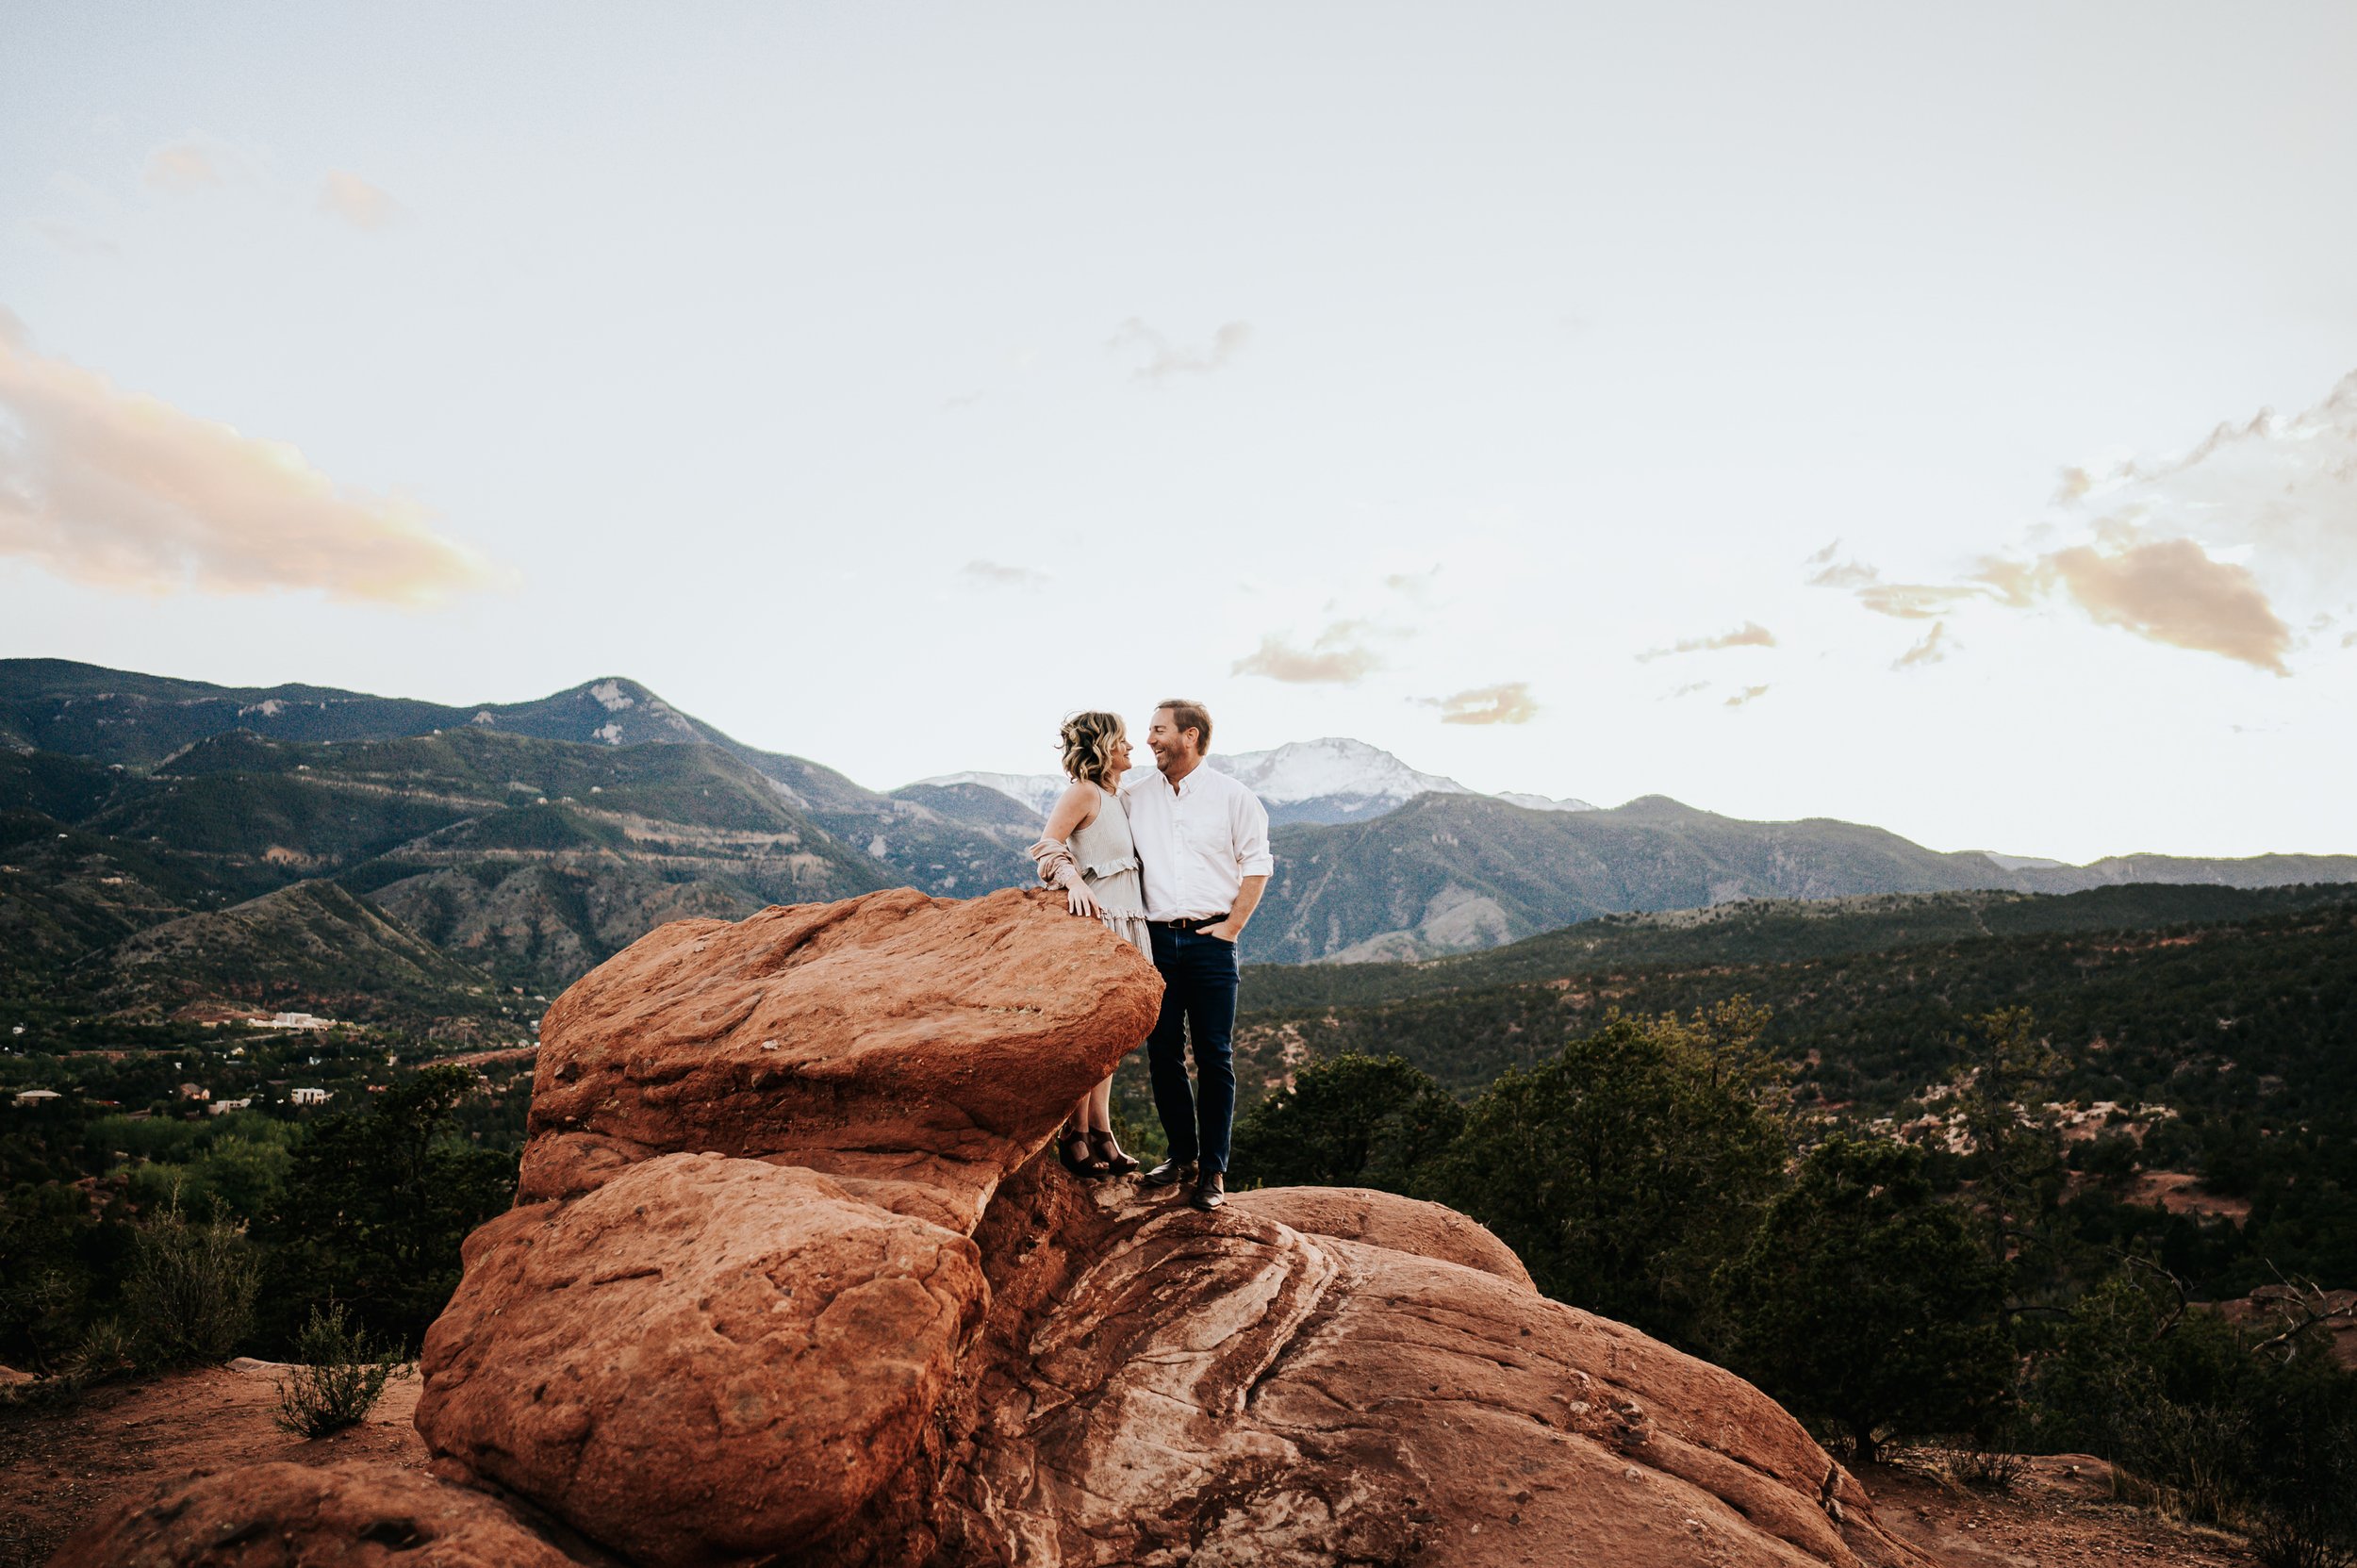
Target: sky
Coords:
[(1941, 418)]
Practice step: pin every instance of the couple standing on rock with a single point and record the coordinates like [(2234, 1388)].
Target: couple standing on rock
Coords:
[(1175, 865)]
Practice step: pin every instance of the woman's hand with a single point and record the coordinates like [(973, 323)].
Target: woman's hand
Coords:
[(1078, 899)]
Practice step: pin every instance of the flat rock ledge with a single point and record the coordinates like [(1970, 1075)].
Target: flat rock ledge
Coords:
[(790, 1279)]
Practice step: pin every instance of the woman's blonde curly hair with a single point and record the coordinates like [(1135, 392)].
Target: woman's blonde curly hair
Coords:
[(1088, 747)]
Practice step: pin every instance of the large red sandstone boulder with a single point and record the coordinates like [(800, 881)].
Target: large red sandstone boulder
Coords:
[(703, 1360), (1225, 1389), (282, 1515), (1387, 1220), (917, 1049)]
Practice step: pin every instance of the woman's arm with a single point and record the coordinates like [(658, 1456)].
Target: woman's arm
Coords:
[(1074, 810)]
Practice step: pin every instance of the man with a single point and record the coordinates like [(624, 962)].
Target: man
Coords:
[(1202, 841)]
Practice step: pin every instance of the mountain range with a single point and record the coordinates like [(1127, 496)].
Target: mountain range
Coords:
[(1327, 781), (528, 841)]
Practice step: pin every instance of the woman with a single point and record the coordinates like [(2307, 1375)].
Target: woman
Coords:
[(1087, 851)]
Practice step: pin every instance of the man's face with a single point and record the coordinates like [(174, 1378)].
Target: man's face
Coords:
[(1172, 747)]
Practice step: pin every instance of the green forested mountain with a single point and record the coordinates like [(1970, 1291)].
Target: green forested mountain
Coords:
[(138, 722), (1446, 873), (1772, 930)]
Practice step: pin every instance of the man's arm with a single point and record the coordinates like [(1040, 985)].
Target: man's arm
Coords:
[(1248, 823), (1247, 900)]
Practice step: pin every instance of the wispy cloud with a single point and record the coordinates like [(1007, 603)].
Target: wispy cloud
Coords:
[(1340, 656), (1933, 649), (1750, 635), (1901, 601), (1748, 694), (1165, 359), (346, 195), (2216, 550), (1688, 689), (73, 238), (997, 574), (2166, 591), (184, 165), (111, 488), (1507, 703)]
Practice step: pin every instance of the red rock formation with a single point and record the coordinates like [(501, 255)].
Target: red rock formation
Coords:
[(917, 1048), (789, 1280), (295, 1516), (702, 1359)]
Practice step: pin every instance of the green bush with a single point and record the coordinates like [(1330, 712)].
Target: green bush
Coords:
[(1866, 1303), (341, 1374), (1351, 1121), (1628, 1168), (191, 1287), (107, 1350)]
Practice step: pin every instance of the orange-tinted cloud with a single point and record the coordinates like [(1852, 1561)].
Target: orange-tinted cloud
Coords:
[(125, 491), (356, 202), (1750, 635), (1340, 656), (1933, 649), (1508, 702), (2171, 591), (1747, 695), (182, 166)]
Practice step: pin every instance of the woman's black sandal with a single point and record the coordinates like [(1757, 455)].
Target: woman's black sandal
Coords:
[(1086, 1163), (1109, 1154)]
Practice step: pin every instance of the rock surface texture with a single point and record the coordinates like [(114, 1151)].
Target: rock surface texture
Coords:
[(789, 1280)]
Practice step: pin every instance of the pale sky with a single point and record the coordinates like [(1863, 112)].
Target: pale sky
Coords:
[(1797, 411)]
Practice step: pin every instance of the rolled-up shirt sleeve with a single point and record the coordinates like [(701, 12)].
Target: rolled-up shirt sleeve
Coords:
[(1250, 821)]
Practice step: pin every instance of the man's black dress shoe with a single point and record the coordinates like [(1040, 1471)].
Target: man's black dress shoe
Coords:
[(1211, 1191), (1169, 1174)]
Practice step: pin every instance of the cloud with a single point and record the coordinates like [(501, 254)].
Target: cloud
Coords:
[(356, 202), (1507, 704), (996, 574), (127, 491), (1165, 359), (1901, 601), (1837, 575), (2171, 591), (1750, 635), (73, 238), (1746, 695), (1931, 650), (1687, 690), (1340, 656), (183, 165)]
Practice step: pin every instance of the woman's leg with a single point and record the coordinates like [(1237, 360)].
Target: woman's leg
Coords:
[(1101, 1106)]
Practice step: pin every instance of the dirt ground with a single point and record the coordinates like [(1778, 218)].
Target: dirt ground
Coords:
[(2059, 1512), (59, 1466)]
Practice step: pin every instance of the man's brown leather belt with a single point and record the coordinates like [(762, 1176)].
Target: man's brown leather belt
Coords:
[(1194, 923)]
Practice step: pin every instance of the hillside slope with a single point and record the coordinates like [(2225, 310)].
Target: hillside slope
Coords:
[(1448, 873)]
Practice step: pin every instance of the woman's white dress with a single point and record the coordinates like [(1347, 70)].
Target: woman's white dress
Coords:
[(1108, 862)]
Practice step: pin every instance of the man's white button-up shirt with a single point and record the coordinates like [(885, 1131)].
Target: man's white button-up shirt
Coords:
[(1197, 843)]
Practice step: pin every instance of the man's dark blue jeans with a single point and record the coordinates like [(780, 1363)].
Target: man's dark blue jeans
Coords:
[(1198, 999)]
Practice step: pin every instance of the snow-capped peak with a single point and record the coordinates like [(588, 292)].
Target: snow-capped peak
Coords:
[(1543, 802), (1036, 790), (1323, 769), (1330, 780)]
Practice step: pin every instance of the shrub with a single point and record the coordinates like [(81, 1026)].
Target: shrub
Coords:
[(191, 1287), (1629, 1167), (1866, 1302), (1353, 1121), (107, 1350), (341, 1375)]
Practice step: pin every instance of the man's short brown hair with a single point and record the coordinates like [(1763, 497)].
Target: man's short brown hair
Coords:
[(1189, 716)]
